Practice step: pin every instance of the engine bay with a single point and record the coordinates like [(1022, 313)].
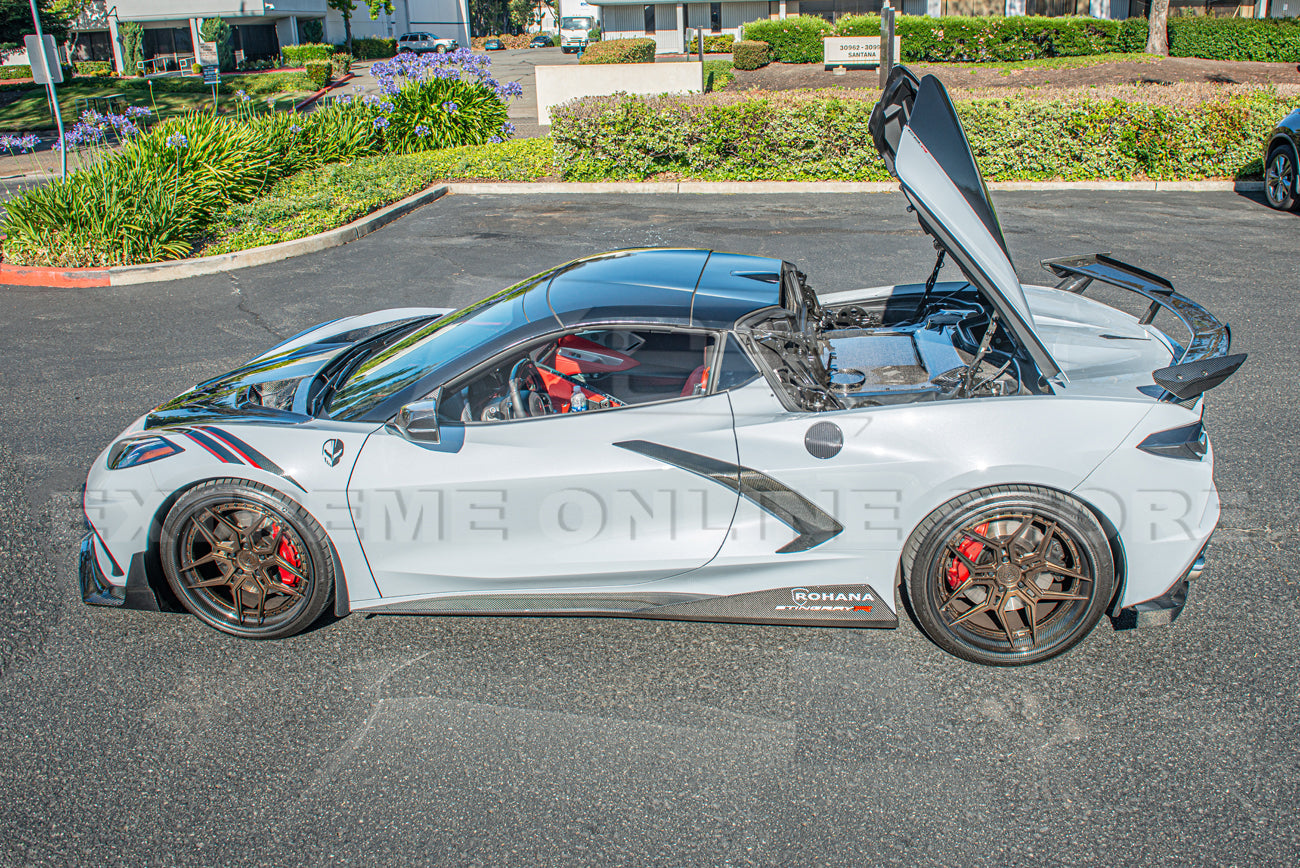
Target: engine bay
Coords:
[(908, 346)]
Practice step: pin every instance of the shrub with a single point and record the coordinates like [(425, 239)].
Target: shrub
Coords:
[(311, 30), (811, 136), (797, 39), (717, 74), (717, 43), (318, 71), (372, 48), (132, 33), (620, 51), (995, 38), (748, 54), (593, 35), (93, 67), (218, 31), (342, 63), (439, 101), (298, 55), (1266, 39), (18, 70), (148, 201)]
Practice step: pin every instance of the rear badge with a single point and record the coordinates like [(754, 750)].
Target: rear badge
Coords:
[(332, 451)]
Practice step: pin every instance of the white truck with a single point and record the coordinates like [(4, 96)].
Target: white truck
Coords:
[(577, 19)]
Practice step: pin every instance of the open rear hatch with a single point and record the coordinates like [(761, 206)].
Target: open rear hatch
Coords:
[(916, 129)]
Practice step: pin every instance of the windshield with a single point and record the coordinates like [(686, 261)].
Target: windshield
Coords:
[(440, 342), (575, 24)]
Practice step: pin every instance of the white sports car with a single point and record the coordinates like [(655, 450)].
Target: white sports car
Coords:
[(696, 435)]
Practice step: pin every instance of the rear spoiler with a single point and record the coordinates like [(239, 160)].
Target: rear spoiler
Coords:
[(1200, 364)]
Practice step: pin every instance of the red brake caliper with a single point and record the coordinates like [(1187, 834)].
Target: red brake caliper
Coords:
[(289, 554), (970, 548)]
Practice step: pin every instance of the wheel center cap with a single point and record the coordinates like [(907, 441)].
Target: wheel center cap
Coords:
[(247, 561), (1008, 575)]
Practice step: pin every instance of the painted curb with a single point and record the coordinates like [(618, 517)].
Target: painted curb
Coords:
[(126, 275)]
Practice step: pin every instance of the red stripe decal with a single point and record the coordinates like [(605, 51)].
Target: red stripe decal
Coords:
[(211, 432), (214, 452)]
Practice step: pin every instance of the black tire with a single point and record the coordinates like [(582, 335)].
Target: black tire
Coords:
[(1036, 544), (228, 548), (441, 49), (1280, 178)]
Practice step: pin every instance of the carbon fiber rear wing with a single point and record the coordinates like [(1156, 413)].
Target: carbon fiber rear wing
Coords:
[(1200, 364)]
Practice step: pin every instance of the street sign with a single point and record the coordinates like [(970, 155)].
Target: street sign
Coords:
[(44, 59), (211, 74), (208, 55), (855, 52)]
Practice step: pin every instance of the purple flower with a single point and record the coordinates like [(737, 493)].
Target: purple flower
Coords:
[(177, 140), (295, 129), (138, 111), (450, 107), (496, 140), (381, 123), (421, 130)]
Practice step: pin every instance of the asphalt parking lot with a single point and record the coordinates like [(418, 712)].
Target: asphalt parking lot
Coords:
[(135, 739)]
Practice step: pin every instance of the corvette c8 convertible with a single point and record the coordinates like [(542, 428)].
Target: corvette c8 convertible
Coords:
[(697, 435)]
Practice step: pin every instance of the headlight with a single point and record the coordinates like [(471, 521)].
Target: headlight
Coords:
[(1188, 442), (142, 450)]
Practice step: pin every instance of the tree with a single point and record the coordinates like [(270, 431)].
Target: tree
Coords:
[(488, 16), (218, 31), (16, 21), (344, 8), (1158, 28)]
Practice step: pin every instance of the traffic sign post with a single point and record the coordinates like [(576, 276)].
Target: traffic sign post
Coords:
[(46, 69)]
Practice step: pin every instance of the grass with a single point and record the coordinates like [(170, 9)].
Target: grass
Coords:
[(328, 197), (718, 74), (30, 111)]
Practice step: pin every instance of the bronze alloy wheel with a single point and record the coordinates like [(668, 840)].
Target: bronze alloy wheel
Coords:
[(1280, 179), (246, 560), (1011, 576)]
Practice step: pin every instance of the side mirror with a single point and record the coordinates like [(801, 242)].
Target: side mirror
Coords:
[(418, 421)]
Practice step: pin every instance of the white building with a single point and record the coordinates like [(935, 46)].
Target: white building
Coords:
[(259, 27), (666, 23)]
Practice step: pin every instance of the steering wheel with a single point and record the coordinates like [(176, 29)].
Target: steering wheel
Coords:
[(528, 395)]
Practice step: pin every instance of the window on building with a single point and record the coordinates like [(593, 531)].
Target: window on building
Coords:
[(715, 17), (649, 18)]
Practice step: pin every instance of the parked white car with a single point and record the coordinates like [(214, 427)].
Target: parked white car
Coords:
[(419, 43)]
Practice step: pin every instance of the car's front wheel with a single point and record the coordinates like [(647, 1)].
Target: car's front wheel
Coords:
[(1006, 576), (441, 49), (247, 560), (1280, 178)]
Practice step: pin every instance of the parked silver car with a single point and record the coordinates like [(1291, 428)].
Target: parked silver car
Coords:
[(422, 42)]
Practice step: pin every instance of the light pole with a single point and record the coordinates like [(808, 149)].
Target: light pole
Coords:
[(54, 97)]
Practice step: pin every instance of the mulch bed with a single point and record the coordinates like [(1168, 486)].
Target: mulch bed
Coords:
[(1170, 70)]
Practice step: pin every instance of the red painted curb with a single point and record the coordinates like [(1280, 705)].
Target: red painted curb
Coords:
[(320, 93), (66, 278)]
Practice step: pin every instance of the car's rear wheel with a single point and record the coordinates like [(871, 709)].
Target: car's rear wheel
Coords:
[(247, 560), (1007, 576), (1280, 178)]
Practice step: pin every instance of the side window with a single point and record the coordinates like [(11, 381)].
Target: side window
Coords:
[(593, 369), (735, 369)]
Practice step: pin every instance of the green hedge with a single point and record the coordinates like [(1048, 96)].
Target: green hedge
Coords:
[(808, 136), (797, 39), (620, 51), (93, 67), (1267, 39), (318, 71), (750, 55), (298, 55), (342, 63), (999, 39), (372, 48), (18, 70), (718, 43)]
